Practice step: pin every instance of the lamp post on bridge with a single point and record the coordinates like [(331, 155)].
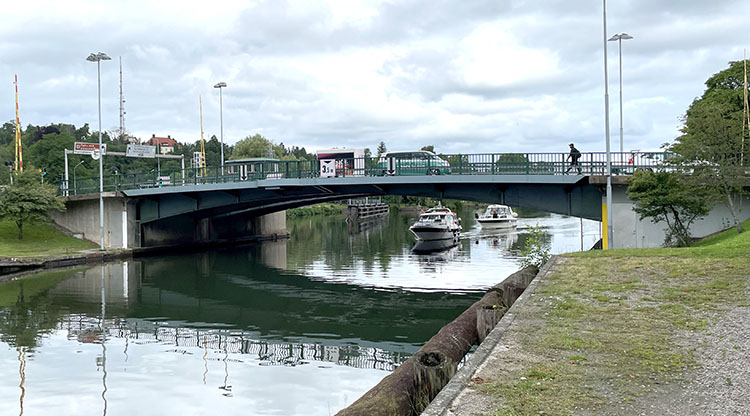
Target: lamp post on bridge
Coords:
[(619, 38), (98, 57), (221, 85)]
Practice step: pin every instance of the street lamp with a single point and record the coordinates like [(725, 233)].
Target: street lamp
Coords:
[(98, 57), (75, 184), (221, 85), (619, 38), (606, 131)]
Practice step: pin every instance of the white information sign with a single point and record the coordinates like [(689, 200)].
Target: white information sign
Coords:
[(140, 150), (327, 168)]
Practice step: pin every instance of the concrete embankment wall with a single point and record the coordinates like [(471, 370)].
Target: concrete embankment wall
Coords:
[(632, 232)]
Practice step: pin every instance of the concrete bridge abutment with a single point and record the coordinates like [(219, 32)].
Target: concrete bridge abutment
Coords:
[(123, 229), (629, 231)]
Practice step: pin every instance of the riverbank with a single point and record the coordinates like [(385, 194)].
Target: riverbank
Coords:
[(662, 331), (46, 247)]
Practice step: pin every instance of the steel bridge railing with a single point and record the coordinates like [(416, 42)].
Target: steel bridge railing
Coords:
[(592, 163)]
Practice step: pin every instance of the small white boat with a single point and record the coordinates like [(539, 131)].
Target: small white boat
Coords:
[(497, 216), (437, 223)]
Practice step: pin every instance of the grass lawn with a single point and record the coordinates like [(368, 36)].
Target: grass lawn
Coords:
[(618, 327), (38, 240)]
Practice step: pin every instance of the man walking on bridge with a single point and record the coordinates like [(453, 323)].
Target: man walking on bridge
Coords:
[(573, 157)]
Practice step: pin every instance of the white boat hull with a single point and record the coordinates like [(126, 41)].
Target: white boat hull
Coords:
[(497, 223), (423, 234)]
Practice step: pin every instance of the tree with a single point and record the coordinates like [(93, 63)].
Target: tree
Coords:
[(381, 149), (711, 146), (668, 197), (253, 146), (27, 201), (429, 148)]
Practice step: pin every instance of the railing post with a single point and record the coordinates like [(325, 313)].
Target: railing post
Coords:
[(526, 157)]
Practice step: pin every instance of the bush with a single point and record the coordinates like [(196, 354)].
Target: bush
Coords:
[(536, 248)]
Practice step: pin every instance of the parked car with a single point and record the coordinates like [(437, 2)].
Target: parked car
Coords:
[(420, 162)]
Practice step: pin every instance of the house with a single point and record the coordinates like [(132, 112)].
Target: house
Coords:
[(165, 144)]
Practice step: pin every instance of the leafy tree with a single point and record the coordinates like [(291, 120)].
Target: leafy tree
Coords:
[(711, 147), (429, 148), (669, 197), (381, 149), (253, 146), (49, 152), (28, 201)]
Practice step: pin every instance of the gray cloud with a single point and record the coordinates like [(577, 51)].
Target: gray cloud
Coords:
[(461, 75)]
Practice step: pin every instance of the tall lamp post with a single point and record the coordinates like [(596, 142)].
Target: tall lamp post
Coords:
[(606, 131), (98, 58), (221, 85), (619, 38)]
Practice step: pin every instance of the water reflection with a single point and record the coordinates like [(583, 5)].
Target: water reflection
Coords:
[(227, 309), (431, 246)]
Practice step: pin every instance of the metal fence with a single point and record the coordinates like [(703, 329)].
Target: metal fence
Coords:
[(593, 163)]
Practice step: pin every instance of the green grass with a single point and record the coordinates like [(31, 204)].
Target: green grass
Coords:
[(38, 240), (606, 325), (722, 236), (726, 244)]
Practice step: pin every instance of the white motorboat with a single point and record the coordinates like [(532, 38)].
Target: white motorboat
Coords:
[(497, 216), (437, 223)]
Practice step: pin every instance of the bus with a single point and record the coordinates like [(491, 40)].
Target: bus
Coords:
[(254, 168)]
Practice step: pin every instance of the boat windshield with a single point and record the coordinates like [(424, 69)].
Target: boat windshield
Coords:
[(497, 211)]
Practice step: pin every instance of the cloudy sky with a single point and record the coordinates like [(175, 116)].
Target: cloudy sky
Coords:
[(463, 75)]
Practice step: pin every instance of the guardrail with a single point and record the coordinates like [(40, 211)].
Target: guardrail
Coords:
[(593, 163)]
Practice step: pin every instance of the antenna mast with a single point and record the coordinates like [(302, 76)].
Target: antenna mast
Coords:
[(122, 106), (18, 166)]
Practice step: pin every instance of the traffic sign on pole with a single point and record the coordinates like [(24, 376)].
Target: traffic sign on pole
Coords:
[(83, 148)]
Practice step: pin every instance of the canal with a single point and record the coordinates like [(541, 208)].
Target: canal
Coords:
[(298, 326)]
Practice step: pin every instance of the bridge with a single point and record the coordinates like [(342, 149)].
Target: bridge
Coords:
[(224, 203)]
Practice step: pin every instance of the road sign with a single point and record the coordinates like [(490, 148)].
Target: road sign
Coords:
[(95, 154), (82, 148), (327, 168), (139, 150)]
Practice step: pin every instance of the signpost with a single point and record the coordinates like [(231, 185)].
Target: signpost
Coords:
[(82, 148), (139, 150)]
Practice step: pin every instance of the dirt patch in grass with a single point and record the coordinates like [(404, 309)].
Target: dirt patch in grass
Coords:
[(606, 335)]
